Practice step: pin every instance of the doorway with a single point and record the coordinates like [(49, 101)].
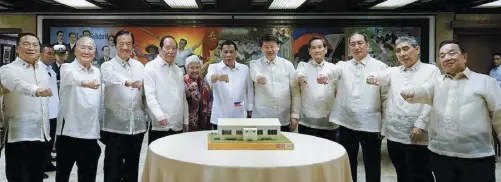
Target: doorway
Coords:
[(480, 46)]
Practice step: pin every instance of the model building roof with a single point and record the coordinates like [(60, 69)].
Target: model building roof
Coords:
[(248, 122)]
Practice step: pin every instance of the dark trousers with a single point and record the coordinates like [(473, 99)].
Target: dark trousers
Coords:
[(25, 161), (154, 135), (326, 134), (121, 156), (411, 162), (285, 128), (453, 169), (371, 149), (85, 152), (50, 144)]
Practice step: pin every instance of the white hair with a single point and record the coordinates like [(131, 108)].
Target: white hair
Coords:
[(192, 59), (86, 39)]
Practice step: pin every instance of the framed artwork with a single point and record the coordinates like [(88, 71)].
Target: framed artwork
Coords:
[(7, 54)]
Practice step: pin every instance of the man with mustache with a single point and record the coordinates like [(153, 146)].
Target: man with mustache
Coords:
[(25, 88), (405, 124), (317, 100), (124, 121), (80, 112), (232, 88), (164, 91), (276, 90), (357, 108), (465, 108)]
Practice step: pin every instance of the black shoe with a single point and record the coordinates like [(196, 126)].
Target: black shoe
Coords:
[(50, 168), (45, 176)]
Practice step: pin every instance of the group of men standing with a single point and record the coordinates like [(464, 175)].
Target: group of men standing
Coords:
[(357, 102)]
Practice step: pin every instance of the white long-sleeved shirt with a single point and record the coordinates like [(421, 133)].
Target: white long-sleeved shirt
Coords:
[(279, 97), (26, 114), (358, 104), (465, 108), (399, 116), (123, 106), (165, 96), (317, 100), (54, 99), (80, 108), (232, 99)]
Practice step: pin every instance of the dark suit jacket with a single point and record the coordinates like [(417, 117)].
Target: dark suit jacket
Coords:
[(56, 69), (71, 53), (101, 61)]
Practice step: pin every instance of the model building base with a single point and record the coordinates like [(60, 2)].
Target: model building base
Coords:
[(216, 142)]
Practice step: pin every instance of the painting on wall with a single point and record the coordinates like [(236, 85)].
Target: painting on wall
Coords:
[(7, 54), (205, 41)]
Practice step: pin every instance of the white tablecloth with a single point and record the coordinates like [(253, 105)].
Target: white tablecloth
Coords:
[(185, 158)]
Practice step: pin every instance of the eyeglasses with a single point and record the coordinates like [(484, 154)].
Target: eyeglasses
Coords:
[(450, 54), (28, 45), (87, 48)]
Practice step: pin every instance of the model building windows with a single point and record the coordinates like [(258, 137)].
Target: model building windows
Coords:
[(272, 132), (226, 132), (240, 132), (259, 132)]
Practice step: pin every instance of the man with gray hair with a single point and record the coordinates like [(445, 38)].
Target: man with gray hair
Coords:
[(79, 115), (404, 124)]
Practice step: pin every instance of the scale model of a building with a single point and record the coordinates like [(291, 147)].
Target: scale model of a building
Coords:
[(248, 129)]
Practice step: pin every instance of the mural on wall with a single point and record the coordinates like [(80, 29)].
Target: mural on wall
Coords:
[(382, 40), (204, 41)]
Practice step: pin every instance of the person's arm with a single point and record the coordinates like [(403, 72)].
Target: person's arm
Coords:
[(295, 93), (382, 77), (254, 70), (13, 82), (424, 118), (333, 73), (68, 77), (250, 93), (186, 116), (112, 77), (211, 71), (422, 94), (493, 100), (150, 93)]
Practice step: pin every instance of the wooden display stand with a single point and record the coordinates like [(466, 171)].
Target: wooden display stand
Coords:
[(216, 143)]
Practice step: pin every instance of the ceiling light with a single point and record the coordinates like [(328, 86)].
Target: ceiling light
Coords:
[(78, 4), (392, 4), (286, 4), (494, 4), (182, 4)]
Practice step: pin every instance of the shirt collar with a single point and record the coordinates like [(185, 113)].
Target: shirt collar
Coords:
[(122, 62), (80, 67), (270, 62), (26, 64), (465, 74), (163, 62), (315, 64), (364, 61), (413, 68), (237, 66)]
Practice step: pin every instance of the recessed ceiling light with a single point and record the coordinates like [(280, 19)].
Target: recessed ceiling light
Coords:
[(78, 4), (392, 4), (494, 4), (182, 4), (286, 4)]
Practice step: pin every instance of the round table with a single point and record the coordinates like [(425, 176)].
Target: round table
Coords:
[(185, 158)]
